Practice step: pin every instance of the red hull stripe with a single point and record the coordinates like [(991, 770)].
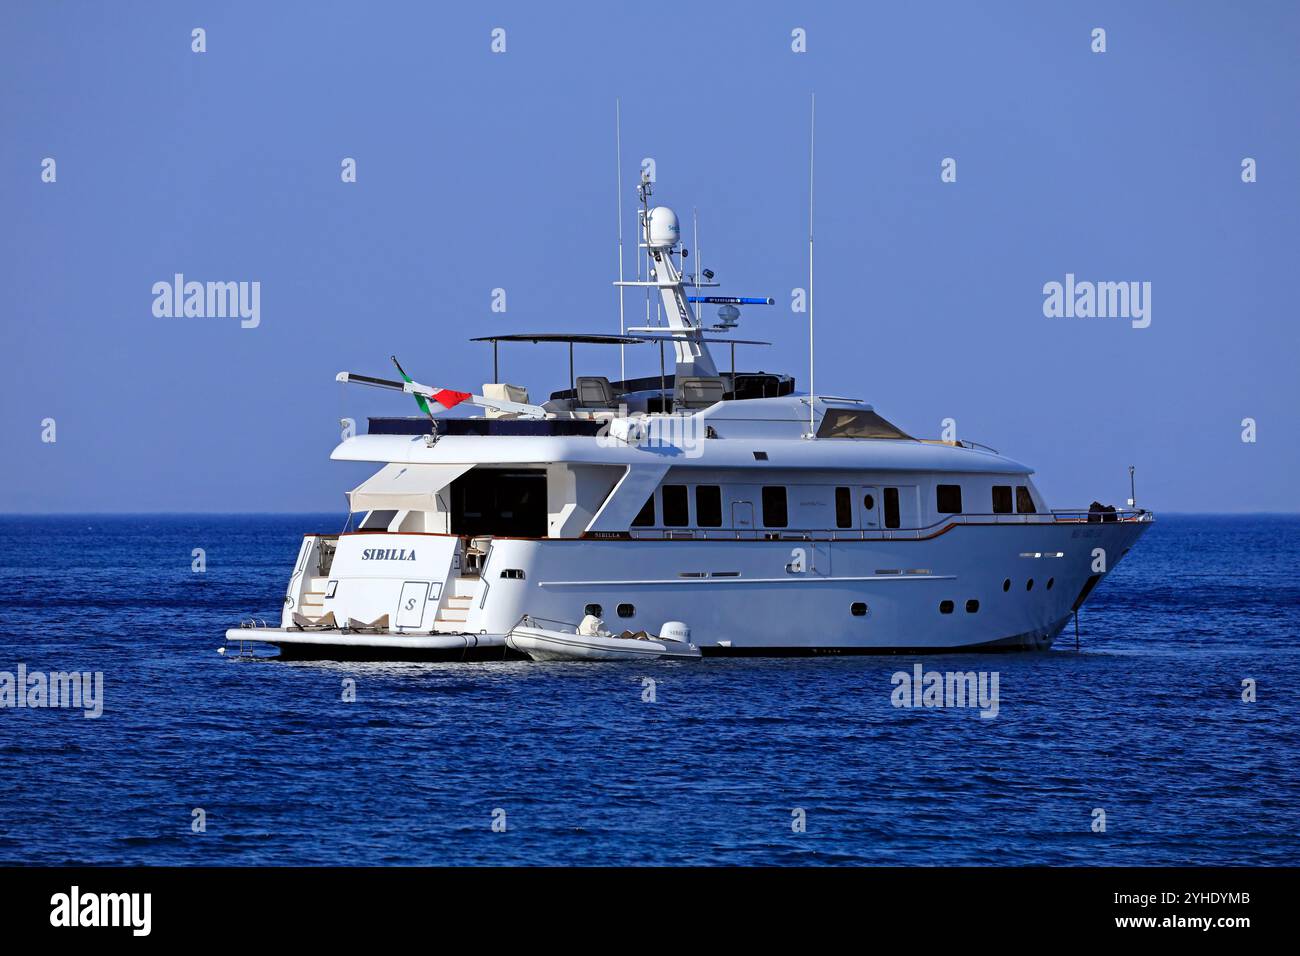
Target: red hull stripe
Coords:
[(448, 398)]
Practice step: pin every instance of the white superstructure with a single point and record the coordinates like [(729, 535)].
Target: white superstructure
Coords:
[(772, 522)]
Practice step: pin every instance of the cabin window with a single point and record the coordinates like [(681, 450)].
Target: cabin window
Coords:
[(676, 507), (645, 518), (843, 508), (858, 609), (626, 610), (972, 606), (1024, 501), (379, 519), (513, 574), (499, 501), (1029, 585), (948, 499), (1006, 585), (595, 610), (1002, 499), (708, 506), (868, 502), (891, 507), (774, 510), (945, 607)]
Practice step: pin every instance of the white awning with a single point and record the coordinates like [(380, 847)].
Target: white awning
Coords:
[(399, 487)]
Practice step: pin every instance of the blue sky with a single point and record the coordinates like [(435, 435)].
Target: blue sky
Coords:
[(479, 171)]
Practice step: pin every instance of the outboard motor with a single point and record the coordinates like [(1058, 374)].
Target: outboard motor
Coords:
[(675, 631)]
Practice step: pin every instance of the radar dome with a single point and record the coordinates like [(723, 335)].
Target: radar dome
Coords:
[(664, 230)]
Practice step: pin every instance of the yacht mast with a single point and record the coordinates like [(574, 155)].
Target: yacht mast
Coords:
[(812, 143), (618, 200)]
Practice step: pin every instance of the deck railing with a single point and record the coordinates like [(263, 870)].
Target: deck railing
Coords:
[(1055, 516)]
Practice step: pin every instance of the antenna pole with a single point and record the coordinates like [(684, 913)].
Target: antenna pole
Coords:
[(812, 140), (618, 201)]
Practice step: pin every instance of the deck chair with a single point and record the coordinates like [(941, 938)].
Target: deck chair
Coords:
[(594, 391), (377, 625), (325, 622), (699, 392)]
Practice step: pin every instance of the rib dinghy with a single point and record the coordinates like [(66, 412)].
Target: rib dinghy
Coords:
[(545, 640)]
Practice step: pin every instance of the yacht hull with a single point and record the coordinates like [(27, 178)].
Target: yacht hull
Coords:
[(967, 587)]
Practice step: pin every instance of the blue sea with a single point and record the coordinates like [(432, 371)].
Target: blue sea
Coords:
[(1145, 723)]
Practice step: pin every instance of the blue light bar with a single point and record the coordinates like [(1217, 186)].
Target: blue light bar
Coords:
[(729, 300)]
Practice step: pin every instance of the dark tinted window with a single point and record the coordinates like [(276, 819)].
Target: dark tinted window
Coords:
[(1002, 499), (708, 506), (774, 512), (676, 509), (379, 519), (868, 502), (945, 607), (948, 499), (843, 508), (645, 517), (856, 423), (1024, 501), (858, 609), (594, 610), (972, 606), (891, 507), (626, 610)]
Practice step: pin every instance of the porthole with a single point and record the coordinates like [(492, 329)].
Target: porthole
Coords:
[(945, 607), (972, 606), (1029, 585), (513, 574), (1006, 585), (595, 610), (626, 610), (1050, 582), (868, 502), (858, 609)]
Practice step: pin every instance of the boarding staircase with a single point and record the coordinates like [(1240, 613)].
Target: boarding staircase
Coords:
[(453, 610), (312, 603)]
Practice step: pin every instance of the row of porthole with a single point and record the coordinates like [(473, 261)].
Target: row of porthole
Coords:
[(1029, 585), (972, 606), (857, 608), (623, 610)]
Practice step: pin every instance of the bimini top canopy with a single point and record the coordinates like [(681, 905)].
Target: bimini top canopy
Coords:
[(581, 338), (399, 487)]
